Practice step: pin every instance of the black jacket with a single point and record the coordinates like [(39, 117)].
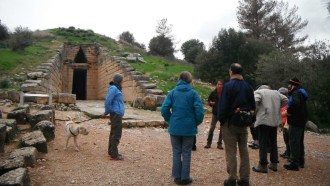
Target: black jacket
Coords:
[(297, 107), (235, 94), (214, 97)]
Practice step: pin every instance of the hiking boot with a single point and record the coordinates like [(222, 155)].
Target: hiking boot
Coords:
[(260, 168), (273, 166), (219, 146), (243, 183), (285, 155), (186, 182), (229, 182), (291, 166), (118, 158), (207, 146)]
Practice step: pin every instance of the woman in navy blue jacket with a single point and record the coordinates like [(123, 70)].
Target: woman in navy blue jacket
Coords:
[(184, 111)]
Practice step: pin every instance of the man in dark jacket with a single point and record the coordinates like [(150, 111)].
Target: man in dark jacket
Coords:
[(297, 118), (213, 102), (237, 94)]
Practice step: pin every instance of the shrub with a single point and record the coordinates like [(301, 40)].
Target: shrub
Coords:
[(4, 83), (20, 39)]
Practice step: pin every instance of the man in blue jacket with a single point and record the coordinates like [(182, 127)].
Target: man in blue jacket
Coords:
[(297, 118), (184, 111), (114, 105), (237, 95)]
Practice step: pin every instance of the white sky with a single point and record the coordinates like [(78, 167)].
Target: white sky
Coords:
[(190, 19)]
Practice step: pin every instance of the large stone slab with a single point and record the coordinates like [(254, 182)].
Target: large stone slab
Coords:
[(11, 164), (28, 153), (40, 115), (19, 115), (35, 139), (17, 177), (47, 128)]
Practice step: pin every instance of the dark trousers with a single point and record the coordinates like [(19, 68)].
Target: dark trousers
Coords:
[(286, 141), (267, 138), (211, 131), (115, 134), (254, 133), (297, 148)]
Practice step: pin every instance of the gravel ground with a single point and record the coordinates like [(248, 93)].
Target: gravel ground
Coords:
[(147, 159)]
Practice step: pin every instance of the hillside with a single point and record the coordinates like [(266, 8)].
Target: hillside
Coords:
[(14, 66)]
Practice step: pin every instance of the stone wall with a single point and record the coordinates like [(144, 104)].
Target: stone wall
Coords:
[(56, 75)]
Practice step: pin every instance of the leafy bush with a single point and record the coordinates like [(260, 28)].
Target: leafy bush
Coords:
[(4, 83), (20, 39)]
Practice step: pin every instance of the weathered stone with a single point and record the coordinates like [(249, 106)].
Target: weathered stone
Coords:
[(47, 128), (29, 154), (149, 101), (140, 124), (35, 139), (10, 134), (312, 127), (11, 164), (148, 86), (41, 115), (49, 107), (17, 177), (153, 91), (13, 96), (31, 87), (138, 102), (19, 115), (160, 99), (9, 122), (2, 137), (0, 114), (36, 75), (66, 98)]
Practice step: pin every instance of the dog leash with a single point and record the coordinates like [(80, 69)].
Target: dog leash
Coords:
[(72, 132)]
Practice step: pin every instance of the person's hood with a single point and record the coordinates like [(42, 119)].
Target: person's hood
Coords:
[(263, 87), (183, 86)]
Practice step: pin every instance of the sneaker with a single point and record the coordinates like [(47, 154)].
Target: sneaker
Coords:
[(220, 146), (207, 146)]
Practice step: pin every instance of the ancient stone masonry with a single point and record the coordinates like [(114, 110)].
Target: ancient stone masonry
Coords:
[(85, 70)]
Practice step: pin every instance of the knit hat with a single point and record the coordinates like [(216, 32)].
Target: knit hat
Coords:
[(283, 90), (294, 81), (117, 78)]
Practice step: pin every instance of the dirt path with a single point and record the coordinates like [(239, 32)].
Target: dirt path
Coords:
[(147, 153)]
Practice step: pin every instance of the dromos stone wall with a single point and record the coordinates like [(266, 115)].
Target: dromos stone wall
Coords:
[(57, 75)]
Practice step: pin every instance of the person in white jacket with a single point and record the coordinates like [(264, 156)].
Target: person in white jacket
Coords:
[(268, 118)]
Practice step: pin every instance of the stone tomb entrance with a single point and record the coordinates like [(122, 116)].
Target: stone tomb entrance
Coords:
[(80, 71)]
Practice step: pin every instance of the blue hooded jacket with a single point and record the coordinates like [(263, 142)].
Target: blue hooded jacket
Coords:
[(114, 101), (183, 109), (297, 107)]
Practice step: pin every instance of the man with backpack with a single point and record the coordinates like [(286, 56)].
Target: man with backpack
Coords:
[(236, 102)]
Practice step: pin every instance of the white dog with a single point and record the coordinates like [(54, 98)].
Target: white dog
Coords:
[(73, 130)]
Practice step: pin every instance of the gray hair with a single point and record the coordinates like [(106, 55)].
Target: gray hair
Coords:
[(117, 78), (186, 76)]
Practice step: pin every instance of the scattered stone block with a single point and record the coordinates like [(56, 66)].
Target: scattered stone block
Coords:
[(41, 115), (19, 115), (17, 177), (35, 139), (28, 153), (11, 164), (2, 137), (47, 128)]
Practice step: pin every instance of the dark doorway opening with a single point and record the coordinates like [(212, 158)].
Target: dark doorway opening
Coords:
[(79, 84), (80, 57)]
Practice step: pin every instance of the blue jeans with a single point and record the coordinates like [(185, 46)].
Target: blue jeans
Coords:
[(181, 149)]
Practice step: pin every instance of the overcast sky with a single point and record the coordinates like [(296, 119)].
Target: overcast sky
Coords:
[(190, 19)]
